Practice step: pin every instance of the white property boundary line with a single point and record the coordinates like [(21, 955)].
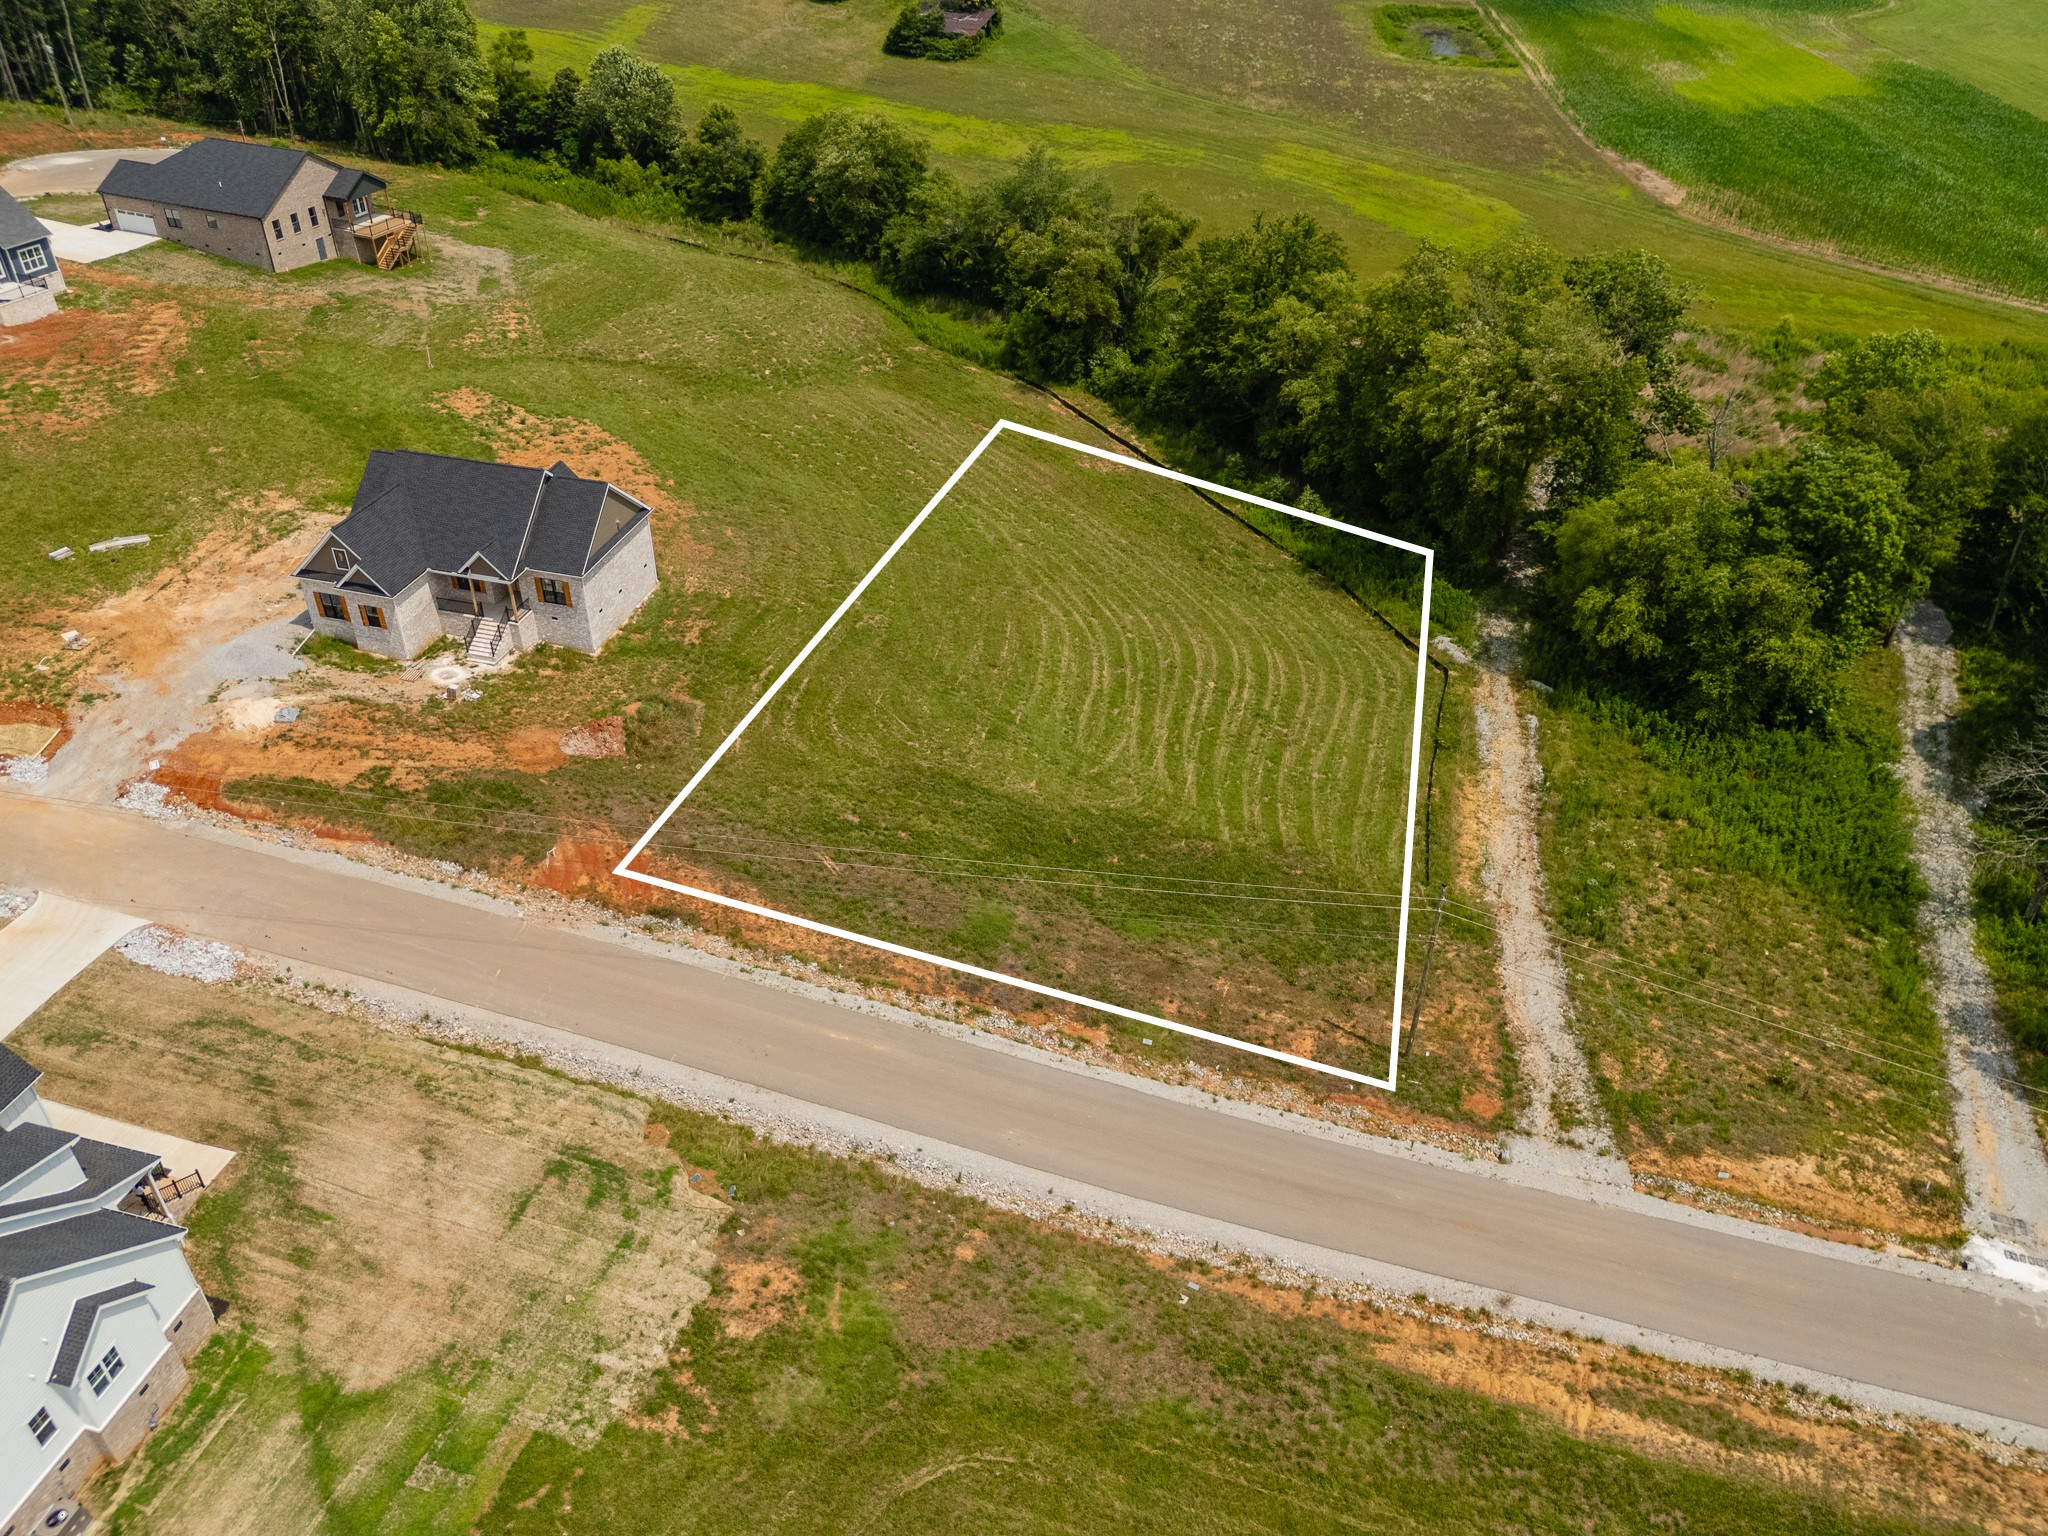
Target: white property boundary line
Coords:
[(624, 870)]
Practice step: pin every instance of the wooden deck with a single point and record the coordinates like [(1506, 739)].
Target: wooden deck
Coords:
[(392, 236)]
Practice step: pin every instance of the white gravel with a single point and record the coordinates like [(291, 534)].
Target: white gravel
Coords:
[(25, 770), (177, 954), (2005, 1181), (149, 798)]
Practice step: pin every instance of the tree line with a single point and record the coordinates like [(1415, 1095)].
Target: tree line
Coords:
[(1514, 407)]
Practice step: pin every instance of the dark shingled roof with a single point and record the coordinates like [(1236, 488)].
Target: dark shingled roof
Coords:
[(60, 1244), (418, 512), (107, 1168), (84, 1313), (348, 180), (29, 1145), (214, 175), (15, 1075), (17, 227)]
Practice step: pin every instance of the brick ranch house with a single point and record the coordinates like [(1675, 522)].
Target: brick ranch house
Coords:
[(99, 1312), (257, 203), (497, 556), (29, 278)]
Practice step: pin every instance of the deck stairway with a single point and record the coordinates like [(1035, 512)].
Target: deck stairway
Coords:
[(488, 640), (392, 234)]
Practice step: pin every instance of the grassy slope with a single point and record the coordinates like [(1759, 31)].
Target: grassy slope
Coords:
[(1785, 1033), (1229, 112), (1786, 118), (2000, 46)]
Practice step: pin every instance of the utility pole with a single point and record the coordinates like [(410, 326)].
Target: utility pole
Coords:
[(1428, 954), (62, 95), (71, 42)]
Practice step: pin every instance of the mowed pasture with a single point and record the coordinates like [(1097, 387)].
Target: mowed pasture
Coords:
[(1229, 109), (1088, 730), (1785, 118)]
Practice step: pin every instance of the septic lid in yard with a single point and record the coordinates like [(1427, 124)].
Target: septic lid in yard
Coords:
[(448, 677)]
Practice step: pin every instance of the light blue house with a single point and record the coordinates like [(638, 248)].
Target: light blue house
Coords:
[(29, 278)]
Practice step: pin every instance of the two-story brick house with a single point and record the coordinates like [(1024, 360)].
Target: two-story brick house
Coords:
[(257, 203)]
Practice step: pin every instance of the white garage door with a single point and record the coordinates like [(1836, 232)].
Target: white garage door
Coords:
[(135, 223)]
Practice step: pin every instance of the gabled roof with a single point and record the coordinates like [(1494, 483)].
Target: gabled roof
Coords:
[(15, 1075), (215, 176), (60, 1244), (28, 1146), (419, 512), (348, 181), (17, 227), (108, 1169), (84, 1313)]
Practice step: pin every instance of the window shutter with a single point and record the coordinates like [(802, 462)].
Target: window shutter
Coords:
[(568, 597)]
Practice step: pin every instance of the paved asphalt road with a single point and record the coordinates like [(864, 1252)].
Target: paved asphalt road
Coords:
[(75, 170), (1938, 1341)]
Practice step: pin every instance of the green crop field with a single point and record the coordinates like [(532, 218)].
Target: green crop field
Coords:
[(1788, 119), (1227, 110), (2000, 46), (1087, 730)]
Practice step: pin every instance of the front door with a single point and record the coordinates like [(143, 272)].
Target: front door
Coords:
[(320, 245)]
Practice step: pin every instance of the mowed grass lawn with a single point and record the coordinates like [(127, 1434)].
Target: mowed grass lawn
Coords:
[(1087, 730), (1229, 108), (1788, 119), (466, 1294)]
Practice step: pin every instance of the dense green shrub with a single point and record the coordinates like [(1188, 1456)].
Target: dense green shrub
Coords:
[(838, 178), (919, 31)]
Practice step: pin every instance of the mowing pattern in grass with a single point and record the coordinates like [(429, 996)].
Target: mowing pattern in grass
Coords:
[(1860, 151), (1772, 1017), (1086, 729)]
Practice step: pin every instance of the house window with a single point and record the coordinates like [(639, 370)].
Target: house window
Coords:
[(173, 218), (32, 258), (212, 222), (276, 230), (313, 217), (42, 1426), (362, 207), (296, 229), (102, 1376), (332, 607), (549, 590), (373, 618)]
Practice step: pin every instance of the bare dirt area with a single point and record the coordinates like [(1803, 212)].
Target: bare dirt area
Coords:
[(22, 136), (404, 1220), (168, 653), (64, 375)]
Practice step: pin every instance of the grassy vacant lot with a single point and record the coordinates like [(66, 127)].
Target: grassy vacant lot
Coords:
[(1228, 108), (1786, 118), (428, 1256), (440, 1264), (1770, 1017), (1087, 730)]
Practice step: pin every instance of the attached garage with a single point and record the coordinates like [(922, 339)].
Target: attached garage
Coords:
[(135, 223)]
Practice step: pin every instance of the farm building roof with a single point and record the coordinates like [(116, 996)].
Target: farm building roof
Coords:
[(214, 176), (84, 1313), (15, 1074), (420, 512), (965, 23), (17, 227)]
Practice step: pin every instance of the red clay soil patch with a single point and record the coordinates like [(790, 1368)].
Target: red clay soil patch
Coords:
[(520, 437), (600, 738), (535, 749), (21, 137), (756, 1296), (67, 373)]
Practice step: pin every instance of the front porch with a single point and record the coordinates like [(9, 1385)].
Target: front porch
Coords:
[(486, 616)]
